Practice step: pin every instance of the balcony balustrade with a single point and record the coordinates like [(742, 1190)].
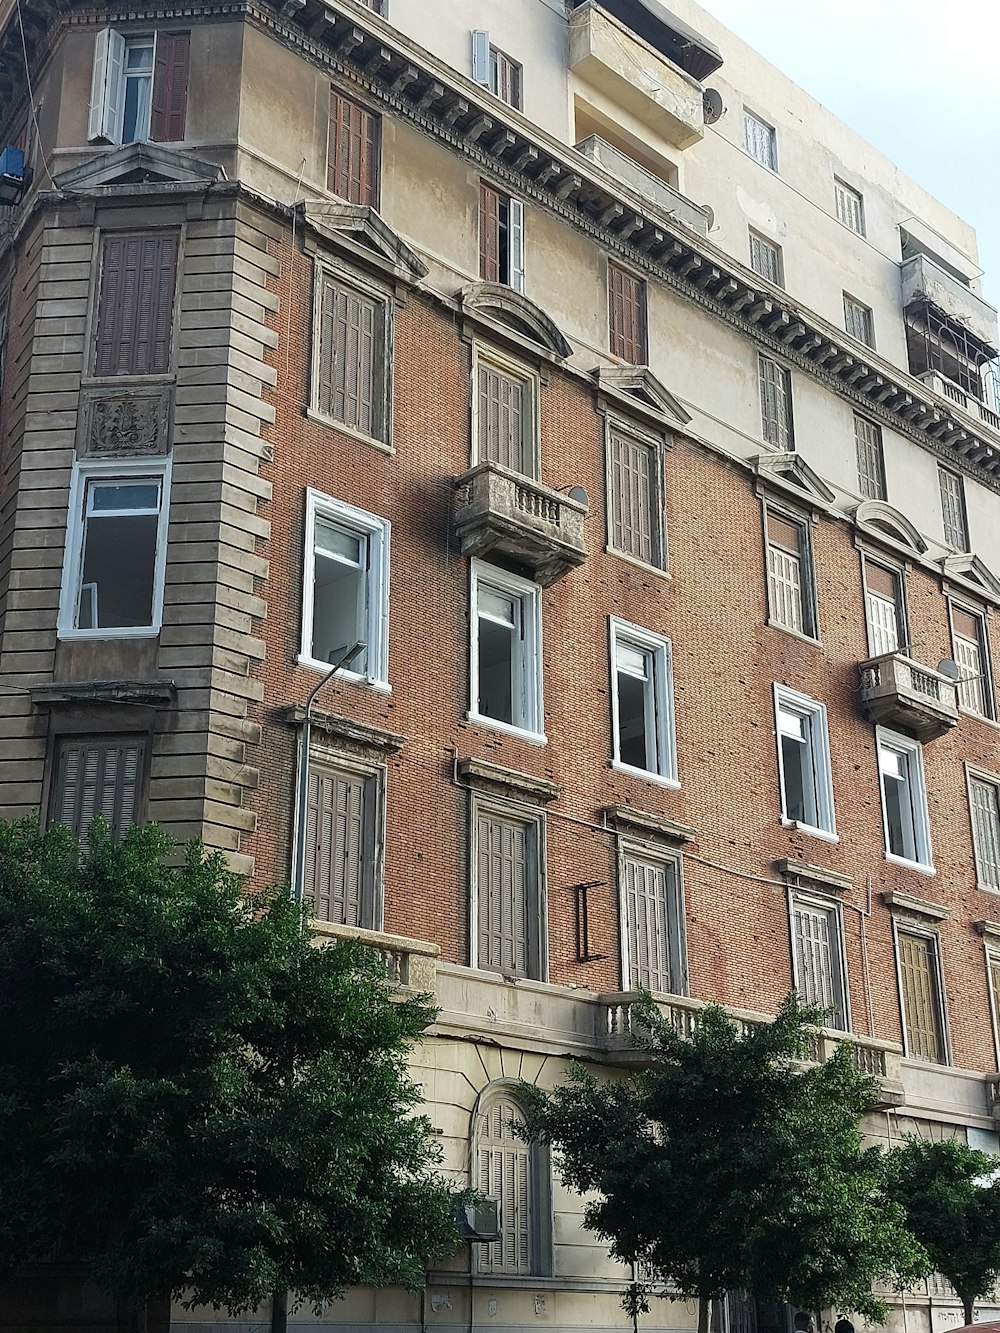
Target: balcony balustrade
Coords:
[(898, 692)]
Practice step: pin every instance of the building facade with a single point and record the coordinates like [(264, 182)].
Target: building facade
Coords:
[(636, 419)]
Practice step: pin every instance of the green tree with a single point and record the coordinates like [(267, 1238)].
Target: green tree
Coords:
[(727, 1165), (956, 1219), (195, 1097)]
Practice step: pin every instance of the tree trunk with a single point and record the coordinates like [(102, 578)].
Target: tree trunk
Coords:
[(704, 1311), (279, 1312), (969, 1306)]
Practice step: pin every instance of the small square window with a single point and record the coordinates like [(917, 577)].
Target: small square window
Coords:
[(343, 851), (635, 496), (818, 969), (765, 259), (804, 772), (871, 460), (352, 363), (346, 589), (775, 403), (353, 152), (850, 206), (506, 657), (956, 524), (760, 141), (921, 994), (99, 775), (984, 803), (508, 891), (859, 321), (501, 238), (505, 413), (790, 592), (652, 915), (112, 584), (904, 799), (885, 608), (971, 649), (626, 315), (642, 709)]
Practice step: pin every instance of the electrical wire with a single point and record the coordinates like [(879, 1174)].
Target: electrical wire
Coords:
[(31, 94)]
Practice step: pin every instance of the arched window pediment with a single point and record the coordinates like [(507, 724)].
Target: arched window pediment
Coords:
[(499, 304), (881, 520)]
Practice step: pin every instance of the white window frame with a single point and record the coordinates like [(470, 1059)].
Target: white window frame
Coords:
[(760, 140), (375, 532), (912, 753), (326, 270), (674, 864), (983, 685), (816, 738), (126, 470), (660, 690), (973, 775), (107, 92), (832, 907), (532, 709), (991, 956), (808, 607), (533, 819), (850, 206), (898, 573), (912, 928), (496, 360)]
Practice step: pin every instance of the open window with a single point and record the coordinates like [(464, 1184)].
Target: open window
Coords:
[(642, 702), (501, 237), (506, 657), (904, 800), (139, 87), (804, 771)]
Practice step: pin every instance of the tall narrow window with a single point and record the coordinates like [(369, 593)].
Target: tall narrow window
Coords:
[(920, 986), (984, 800), (341, 853), (139, 87), (505, 415), (956, 526), (353, 152), (509, 1170), (760, 140), (884, 609), (871, 461), (508, 893), (635, 507), (653, 917), (135, 303), (859, 321), (495, 70), (98, 775), (501, 238), (351, 359), (850, 206), (506, 650), (775, 403), (626, 315), (818, 956), (642, 701), (904, 799), (789, 574), (968, 636), (804, 761), (765, 259)]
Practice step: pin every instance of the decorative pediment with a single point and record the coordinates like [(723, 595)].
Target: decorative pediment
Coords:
[(637, 388), (512, 312), (359, 229), (971, 573), (793, 475), (880, 520), (140, 164)]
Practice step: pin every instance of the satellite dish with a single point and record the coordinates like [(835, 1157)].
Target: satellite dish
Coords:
[(709, 212), (950, 668), (578, 494), (714, 106)]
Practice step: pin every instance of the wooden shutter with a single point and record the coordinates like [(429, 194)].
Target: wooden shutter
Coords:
[(968, 639), (489, 233), (501, 425), (883, 603), (649, 908), (136, 302), (515, 244), (953, 509), (98, 777), (986, 831), (784, 572), (481, 57), (504, 1172), (353, 155), (626, 315), (505, 928), (765, 259), (339, 847), (349, 358), (871, 465), (634, 501), (775, 404), (107, 86), (170, 86), (921, 1001), (814, 932)]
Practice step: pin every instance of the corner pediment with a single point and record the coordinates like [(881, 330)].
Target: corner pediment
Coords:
[(878, 519), (636, 388), (359, 229), (140, 164), (971, 573), (512, 312), (792, 475)]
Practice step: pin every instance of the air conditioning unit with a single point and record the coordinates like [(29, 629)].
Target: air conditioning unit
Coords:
[(480, 1220), (15, 177)]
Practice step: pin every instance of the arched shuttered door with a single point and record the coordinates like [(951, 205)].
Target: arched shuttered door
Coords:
[(505, 1171)]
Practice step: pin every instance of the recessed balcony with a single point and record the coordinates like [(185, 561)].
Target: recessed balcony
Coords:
[(604, 53), (898, 692), (509, 515), (645, 184), (927, 283)]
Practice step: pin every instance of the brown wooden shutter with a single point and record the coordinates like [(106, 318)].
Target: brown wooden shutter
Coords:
[(350, 330), (170, 86), (136, 303), (98, 777), (353, 153), (489, 233), (504, 928), (921, 1002), (339, 851), (626, 315), (501, 420)]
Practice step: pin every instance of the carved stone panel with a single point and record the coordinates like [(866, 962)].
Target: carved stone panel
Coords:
[(124, 422)]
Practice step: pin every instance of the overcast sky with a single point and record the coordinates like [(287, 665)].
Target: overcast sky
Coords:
[(920, 79)]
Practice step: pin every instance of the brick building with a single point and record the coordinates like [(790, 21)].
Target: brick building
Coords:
[(636, 417)]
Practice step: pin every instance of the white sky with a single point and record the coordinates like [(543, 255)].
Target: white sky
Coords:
[(919, 79)]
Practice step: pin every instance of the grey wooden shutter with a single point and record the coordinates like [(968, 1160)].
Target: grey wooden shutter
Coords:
[(107, 86), (775, 404), (353, 153), (815, 957), (502, 882), (871, 464), (986, 831), (98, 777), (170, 86), (648, 908), (489, 233), (501, 424), (136, 302), (350, 330), (921, 1008), (503, 1171), (784, 572), (634, 512), (515, 244), (956, 530), (481, 57), (338, 846)]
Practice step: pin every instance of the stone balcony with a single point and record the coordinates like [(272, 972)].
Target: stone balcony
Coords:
[(411, 965), (618, 1028), (924, 281), (604, 53), (898, 692), (671, 202), (510, 515)]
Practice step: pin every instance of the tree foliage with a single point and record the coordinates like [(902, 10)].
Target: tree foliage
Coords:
[(727, 1165), (192, 1095), (955, 1219)]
